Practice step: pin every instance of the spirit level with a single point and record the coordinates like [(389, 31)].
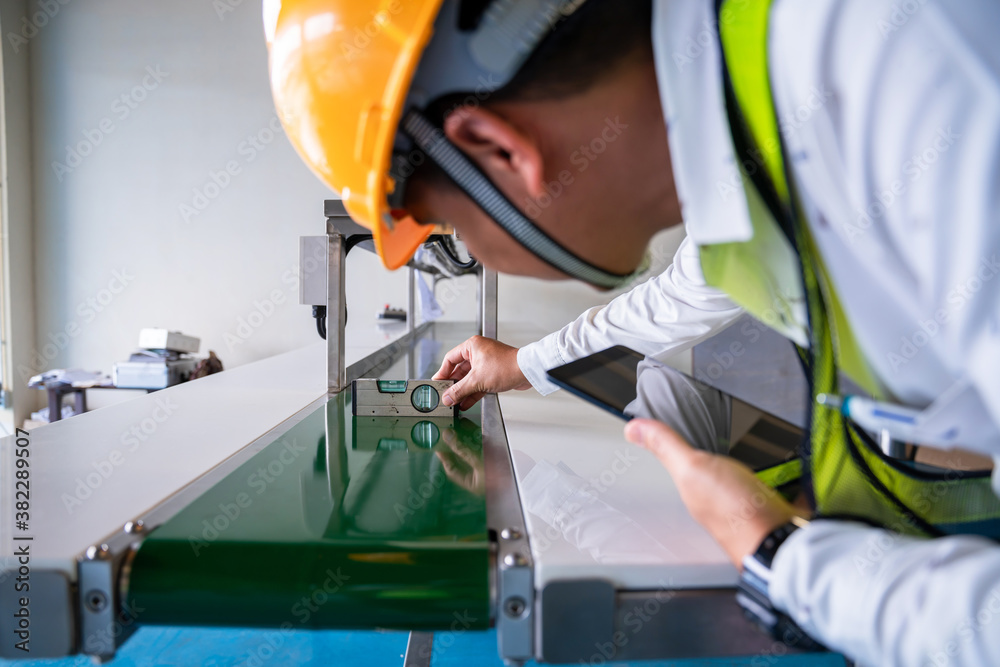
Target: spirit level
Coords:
[(401, 398)]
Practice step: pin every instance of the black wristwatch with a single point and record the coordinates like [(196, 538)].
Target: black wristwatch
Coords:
[(753, 592)]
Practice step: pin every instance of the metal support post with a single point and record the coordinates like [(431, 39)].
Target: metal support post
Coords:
[(336, 311), (488, 302)]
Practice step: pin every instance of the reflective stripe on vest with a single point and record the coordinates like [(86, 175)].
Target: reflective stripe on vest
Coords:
[(845, 472)]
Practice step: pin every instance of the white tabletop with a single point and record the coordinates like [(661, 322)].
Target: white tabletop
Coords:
[(597, 506)]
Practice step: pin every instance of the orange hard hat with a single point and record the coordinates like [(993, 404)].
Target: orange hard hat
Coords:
[(340, 72)]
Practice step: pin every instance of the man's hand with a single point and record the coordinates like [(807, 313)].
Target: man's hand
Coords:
[(722, 494), (480, 366)]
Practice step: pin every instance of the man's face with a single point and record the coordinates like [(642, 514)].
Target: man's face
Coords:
[(484, 238), (593, 172)]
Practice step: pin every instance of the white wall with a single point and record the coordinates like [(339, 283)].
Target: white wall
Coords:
[(114, 250), (118, 211), (16, 211)]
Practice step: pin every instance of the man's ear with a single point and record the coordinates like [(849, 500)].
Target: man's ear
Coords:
[(508, 157)]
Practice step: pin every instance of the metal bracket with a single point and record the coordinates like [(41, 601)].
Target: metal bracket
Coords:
[(515, 584), (340, 231), (105, 619)]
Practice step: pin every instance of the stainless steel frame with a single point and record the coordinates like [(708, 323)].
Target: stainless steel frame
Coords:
[(336, 312)]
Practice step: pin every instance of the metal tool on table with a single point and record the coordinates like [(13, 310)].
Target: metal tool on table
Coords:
[(401, 398)]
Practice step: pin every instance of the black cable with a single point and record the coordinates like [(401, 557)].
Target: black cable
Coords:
[(448, 250), (319, 312), (354, 240)]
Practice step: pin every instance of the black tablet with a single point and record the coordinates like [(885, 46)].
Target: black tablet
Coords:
[(627, 384), (607, 379)]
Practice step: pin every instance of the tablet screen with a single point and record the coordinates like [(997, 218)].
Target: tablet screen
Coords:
[(607, 379), (627, 384)]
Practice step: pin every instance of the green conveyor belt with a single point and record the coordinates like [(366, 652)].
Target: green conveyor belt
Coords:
[(342, 522)]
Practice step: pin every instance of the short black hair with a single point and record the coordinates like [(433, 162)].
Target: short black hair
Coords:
[(581, 51)]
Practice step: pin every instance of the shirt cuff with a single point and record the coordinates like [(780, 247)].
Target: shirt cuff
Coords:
[(802, 569), (535, 359)]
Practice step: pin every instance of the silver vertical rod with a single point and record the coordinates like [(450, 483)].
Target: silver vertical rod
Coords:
[(488, 303), (336, 313), (411, 320), (411, 304)]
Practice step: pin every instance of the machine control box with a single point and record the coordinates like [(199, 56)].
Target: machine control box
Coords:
[(401, 398)]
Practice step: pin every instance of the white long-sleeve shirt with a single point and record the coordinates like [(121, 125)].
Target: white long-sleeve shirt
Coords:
[(665, 315), (890, 110)]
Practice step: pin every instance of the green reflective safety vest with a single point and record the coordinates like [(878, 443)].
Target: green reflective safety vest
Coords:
[(843, 470)]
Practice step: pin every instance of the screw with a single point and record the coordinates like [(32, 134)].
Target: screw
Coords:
[(95, 552), (514, 607), (134, 526), (96, 600), (510, 534), (515, 560)]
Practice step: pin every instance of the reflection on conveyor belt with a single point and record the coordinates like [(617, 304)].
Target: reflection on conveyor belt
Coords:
[(569, 505)]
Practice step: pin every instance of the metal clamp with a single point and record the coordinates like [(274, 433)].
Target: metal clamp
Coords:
[(105, 618)]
